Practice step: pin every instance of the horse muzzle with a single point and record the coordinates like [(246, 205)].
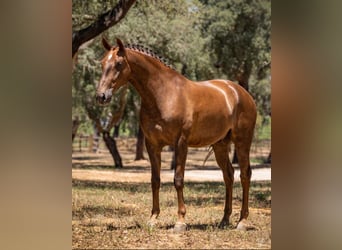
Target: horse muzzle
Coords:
[(104, 98)]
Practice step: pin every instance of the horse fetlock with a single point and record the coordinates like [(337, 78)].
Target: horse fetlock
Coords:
[(244, 214), (181, 212)]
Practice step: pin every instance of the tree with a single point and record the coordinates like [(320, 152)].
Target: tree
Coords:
[(103, 22), (75, 125), (240, 37)]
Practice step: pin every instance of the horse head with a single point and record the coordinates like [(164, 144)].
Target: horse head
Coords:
[(115, 71)]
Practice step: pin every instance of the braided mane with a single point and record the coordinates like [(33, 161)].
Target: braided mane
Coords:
[(148, 52)]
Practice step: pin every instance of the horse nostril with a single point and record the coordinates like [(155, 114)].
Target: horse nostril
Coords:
[(103, 97)]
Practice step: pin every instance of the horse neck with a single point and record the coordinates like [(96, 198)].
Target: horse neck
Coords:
[(147, 76)]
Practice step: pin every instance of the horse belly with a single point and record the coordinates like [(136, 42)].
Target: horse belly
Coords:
[(208, 132)]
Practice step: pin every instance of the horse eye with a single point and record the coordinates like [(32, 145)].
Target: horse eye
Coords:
[(118, 65)]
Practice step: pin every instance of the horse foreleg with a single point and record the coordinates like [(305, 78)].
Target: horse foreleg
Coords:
[(181, 151), (154, 154)]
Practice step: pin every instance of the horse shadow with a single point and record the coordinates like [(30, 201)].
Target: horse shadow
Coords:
[(190, 227)]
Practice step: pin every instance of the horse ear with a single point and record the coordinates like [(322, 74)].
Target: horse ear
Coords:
[(106, 44), (121, 46)]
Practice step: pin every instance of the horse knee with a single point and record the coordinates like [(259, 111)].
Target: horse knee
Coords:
[(178, 182)]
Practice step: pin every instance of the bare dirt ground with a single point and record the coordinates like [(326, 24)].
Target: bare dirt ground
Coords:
[(111, 206)]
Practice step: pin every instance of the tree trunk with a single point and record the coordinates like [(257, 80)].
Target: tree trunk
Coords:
[(244, 84), (139, 155), (268, 160), (184, 68), (111, 145), (243, 75), (116, 131), (96, 140), (75, 125)]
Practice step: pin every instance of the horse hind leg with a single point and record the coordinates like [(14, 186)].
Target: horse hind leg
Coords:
[(221, 150), (245, 176), (242, 141)]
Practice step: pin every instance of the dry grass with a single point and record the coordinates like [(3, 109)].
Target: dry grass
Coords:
[(113, 216)]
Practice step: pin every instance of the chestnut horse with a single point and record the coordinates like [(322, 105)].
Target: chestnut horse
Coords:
[(181, 113)]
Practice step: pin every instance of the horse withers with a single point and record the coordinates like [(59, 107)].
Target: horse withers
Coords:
[(182, 113)]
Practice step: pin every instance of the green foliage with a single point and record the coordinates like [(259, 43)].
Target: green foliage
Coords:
[(171, 30), (86, 12), (240, 33), (263, 131)]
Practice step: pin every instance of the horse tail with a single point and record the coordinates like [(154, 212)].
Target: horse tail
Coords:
[(210, 152)]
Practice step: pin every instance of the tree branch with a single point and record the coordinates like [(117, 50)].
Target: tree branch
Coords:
[(103, 22)]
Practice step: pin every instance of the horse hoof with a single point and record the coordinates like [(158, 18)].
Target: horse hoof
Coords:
[(179, 227), (223, 224), (242, 225)]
